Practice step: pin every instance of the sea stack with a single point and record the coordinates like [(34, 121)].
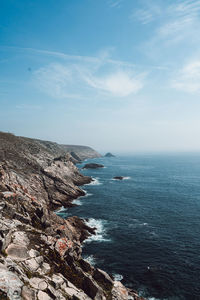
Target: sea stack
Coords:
[(109, 155)]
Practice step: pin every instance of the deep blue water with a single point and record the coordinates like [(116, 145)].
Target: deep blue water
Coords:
[(148, 225)]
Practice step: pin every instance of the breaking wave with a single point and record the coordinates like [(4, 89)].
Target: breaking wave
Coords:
[(90, 259), (95, 181), (100, 232)]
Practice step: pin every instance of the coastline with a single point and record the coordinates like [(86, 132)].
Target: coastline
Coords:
[(41, 252)]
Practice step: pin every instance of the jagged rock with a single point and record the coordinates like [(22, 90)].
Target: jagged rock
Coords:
[(38, 283), (10, 284), (58, 280), (92, 289), (101, 276), (119, 291), (33, 253), (41, 252), (85, 265), (28, 293), (39, 259), (118, 177), (43, 296), (45, 269), (32, 264)]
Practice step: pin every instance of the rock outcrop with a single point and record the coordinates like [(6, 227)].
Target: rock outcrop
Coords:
[(93, 166), (118, 177), (40, 253), (83, 152)]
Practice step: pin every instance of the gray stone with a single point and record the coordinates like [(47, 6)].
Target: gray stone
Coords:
[(45, 268), (17, 252), (58, 280), (39, 259), (28, 294), (38, 283), (10, 284), (43, 296), (33, 253), (32, 264)]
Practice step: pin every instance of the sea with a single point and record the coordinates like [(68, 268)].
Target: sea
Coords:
[(147, 225)]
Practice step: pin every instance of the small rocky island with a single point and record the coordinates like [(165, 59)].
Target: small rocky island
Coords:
[(118, 177), (93, 166), (40, 252), (109, 155)]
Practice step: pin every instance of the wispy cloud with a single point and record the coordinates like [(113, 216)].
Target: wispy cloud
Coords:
[(163, 11), (118, 84), (74, 76), (99, 75), (149, 12), (187, 79), (115, 3), (174, 29)]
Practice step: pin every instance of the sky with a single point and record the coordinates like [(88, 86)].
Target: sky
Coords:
[(116, 75)]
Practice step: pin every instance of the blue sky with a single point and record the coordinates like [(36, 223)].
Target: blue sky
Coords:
[(118, 75)]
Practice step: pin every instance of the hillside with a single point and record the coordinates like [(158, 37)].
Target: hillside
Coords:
[(40, 253)]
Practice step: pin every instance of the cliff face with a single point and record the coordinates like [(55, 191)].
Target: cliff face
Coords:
[(82, 151), (40, 253)]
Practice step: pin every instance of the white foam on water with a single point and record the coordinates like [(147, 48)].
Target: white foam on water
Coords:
[(62, 211), (95, 181), (124, 178), (90, 259), (117, 277), (77, 202), (86, 194), (100, 231)]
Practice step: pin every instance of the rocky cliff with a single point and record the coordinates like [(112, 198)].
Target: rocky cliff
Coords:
[(40, 253)]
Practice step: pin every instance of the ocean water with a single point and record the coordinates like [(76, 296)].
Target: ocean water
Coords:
[(148, 225)]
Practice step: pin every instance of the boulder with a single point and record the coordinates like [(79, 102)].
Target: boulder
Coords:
[(10, 284), (17, 252), (38, 283), (43, 296), (28, 294)]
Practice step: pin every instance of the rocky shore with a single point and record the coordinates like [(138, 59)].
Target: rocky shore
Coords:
[(40, 253)]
